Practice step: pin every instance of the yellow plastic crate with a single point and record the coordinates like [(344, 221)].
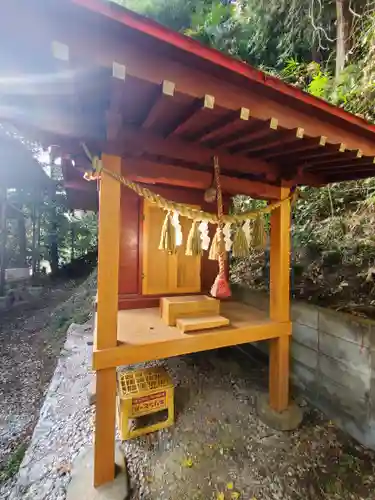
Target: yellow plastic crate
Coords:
[(143, 392)]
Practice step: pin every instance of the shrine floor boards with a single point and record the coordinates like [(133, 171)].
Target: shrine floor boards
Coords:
[(142, 335)]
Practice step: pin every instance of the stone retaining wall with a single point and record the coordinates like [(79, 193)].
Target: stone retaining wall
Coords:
[(332, 363)]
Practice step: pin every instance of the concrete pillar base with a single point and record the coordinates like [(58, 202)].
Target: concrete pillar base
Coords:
[(81, 486), (286, 420)]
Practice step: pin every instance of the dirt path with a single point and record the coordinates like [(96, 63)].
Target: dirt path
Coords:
[(30, 342)]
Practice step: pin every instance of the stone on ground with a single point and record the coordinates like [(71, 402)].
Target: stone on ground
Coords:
[(286, 420), (81, 486)]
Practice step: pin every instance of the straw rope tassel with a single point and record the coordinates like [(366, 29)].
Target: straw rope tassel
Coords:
[(168, 235), (240, 247), (194, 241), (220, 289), (259, 233)]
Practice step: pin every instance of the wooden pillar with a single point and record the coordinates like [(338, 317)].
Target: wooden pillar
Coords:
[(280, 303), (106, 326)]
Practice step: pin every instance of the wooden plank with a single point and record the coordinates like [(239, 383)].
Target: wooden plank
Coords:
[(150, 172), (201, 323), (106, 330), (279, 304), (172, 308), (128, 353)]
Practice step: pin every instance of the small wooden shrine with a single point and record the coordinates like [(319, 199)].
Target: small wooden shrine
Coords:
[(153, 109)]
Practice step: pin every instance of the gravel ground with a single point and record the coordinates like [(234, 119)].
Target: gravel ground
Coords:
[(218, 448), (31, 338), (64, 426)]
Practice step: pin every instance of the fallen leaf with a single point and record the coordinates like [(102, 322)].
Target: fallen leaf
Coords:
[(187, 462), (235, 495), (230, 486), (220, 496)]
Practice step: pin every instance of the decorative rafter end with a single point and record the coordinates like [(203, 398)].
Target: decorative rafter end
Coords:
[(168, 88), (244, 114), (300, 133), (274, 123), (118, 70), (60, 51), (209, 101)]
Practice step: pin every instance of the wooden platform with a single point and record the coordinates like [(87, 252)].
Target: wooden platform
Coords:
[(143, 336)]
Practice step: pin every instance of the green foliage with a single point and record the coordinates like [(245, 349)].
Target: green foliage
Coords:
[(296, 41), (10, 468)]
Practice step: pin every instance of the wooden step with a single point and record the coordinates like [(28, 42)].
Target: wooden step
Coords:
[(183, 306), (193, 324)]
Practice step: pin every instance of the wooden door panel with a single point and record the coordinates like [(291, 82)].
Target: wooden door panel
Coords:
[(156, 267), (188, 267)]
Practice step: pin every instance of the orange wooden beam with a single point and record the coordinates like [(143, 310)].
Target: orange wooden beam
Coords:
[(106, 331), (279, 304), (149, 172), (226, 336)]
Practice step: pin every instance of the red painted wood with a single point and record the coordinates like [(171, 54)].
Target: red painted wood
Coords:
[(223, 64), (129, 242)]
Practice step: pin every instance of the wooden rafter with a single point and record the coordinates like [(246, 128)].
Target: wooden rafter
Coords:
[(198, 109), (304, 145), (271, 143), (264, 130), (164, 93), (132, 137), (223, 126)]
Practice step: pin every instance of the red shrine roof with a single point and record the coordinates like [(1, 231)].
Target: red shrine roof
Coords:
[(92, 71), (227, 68)]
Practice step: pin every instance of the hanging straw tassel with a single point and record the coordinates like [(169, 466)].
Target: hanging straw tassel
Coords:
[(220, 289), (214, 248), (168, 235), (259, 233), (240, 247), (194, 241)]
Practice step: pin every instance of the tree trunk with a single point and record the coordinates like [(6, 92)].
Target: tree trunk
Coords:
[(22, 245), (34, 238), (38, 224), (54, 249), (72, 235), (343, 21), (3, 236)]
